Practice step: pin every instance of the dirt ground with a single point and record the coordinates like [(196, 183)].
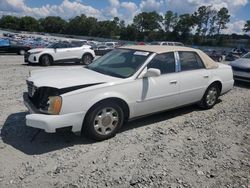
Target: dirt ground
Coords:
[(187, 147)]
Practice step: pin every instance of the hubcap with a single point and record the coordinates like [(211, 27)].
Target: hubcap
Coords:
[(106, 121), (87, 59), (46, 60), (211, 96)]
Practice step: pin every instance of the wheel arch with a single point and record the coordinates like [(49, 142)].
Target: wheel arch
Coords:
[(47, 55), (217, 82), (88, 53), (123, 104)]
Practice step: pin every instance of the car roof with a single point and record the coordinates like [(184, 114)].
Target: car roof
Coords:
[(208, 62), (159, 49)]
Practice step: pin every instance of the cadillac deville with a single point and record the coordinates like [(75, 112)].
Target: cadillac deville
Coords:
[(126, 83)]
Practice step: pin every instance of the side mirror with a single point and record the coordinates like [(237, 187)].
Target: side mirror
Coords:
[(151, 72)]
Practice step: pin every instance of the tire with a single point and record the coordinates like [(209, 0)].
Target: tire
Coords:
[(21, 52), (103, 121), (45, 60), (210, 97), (87, 59)]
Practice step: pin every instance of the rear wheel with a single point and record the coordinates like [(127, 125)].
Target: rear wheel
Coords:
[(87, 59), (21, 52), (46, 60), (210, 97), (103, 121)]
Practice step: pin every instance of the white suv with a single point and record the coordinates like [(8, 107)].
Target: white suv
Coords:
[(61, 52)]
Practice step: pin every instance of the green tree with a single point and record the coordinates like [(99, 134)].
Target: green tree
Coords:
[(148, 21), (201, 18), (223, 18), (28, 23), (10, 22), (53, 24), (184, 26), (247, 26), (170, 20)]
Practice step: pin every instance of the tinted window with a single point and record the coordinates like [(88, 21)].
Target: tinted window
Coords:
[(190, 61), (164, 62)]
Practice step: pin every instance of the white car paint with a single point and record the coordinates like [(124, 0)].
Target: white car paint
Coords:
[(142, 95), (60, 54)]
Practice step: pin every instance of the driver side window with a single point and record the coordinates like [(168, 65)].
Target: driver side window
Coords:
[(164, 62)]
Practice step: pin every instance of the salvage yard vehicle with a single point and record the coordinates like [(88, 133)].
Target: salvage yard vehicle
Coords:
[(166, 43), (61, 52), (128, 82), (8, 46), (241, 68)]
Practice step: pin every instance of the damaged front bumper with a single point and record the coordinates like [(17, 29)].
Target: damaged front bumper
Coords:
[(52, 123)]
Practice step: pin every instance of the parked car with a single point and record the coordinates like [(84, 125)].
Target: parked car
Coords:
[(214, 55), (111, 44), (102, 50), (61, 52), (241, 68), (9, 46), (128, 82), (231, 56), (166, 43)]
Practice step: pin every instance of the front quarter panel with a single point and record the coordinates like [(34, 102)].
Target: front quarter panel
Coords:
[(84, 99)]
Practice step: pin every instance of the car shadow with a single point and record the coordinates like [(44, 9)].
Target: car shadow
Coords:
[(242, 84), (33, 141), (159, 117)]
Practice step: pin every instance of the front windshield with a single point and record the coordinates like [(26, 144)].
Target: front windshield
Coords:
[(247, 55), (121, 63)]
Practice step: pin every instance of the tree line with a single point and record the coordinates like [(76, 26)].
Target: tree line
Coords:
[(203, 25)]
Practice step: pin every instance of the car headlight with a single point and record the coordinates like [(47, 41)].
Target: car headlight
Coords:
[(55, 104)]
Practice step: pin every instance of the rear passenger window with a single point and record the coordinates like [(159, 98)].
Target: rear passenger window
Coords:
[(164, 62), (190, 61)]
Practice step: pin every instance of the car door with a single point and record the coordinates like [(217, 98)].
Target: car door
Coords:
[(61, 52), (158, 93), (193, 79)]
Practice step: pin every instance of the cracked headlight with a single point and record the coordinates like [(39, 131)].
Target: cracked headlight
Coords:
[(55, 104)]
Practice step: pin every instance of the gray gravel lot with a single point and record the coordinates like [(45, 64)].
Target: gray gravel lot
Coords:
[(187, 147)]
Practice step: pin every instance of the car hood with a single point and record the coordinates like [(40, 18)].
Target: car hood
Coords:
[(242, 62), (36, 50), (68, 77)]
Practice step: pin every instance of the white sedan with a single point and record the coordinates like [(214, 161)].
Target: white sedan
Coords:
[(127, 82)]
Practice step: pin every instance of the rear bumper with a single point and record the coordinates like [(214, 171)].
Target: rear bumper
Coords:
[(50, 123)]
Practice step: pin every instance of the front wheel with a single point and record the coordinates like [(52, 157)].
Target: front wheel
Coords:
[(103, 121), (87, 59), (210, 97), (46, 60)]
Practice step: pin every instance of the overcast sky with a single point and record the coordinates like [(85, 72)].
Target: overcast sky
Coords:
[(124, 9)]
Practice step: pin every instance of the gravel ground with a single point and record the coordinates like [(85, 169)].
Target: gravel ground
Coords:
[(187, 147)]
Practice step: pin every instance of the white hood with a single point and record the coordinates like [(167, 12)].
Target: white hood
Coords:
[(36, 50), (67, 77)]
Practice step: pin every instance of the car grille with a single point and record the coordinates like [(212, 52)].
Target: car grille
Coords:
[(241, 69), (40, 96)]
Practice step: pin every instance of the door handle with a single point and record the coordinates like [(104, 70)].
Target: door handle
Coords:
[(173, 82), (205, 76)]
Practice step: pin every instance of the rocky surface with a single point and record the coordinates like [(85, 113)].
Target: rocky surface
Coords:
[(187, 147)]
